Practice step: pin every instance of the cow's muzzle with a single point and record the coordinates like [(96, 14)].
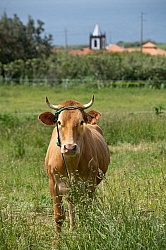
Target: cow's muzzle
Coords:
[(70, 149)]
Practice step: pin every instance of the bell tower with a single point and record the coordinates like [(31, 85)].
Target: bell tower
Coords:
[(97, 39)]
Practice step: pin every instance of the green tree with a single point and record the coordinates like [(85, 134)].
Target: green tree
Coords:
[(19, 41)]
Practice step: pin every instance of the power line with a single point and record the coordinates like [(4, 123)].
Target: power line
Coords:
[(66, 39), (142, 30)]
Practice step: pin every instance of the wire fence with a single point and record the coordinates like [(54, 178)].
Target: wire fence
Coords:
[(86, 82)]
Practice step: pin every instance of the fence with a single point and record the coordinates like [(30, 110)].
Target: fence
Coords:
[(84, 82)]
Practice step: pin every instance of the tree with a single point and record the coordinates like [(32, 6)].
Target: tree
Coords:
[(19, 41)]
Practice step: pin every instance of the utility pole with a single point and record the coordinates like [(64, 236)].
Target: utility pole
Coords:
[(141, 32), (66, 40)]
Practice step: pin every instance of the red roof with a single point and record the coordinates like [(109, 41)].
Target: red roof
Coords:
[(83, 51), (115, 48), (149, 45)]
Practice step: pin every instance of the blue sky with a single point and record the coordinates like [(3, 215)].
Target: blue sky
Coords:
[(119, 19)]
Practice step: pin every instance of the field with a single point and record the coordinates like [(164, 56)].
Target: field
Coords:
[(129, 208)]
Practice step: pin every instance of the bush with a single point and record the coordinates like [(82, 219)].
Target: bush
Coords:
[(104, 68)]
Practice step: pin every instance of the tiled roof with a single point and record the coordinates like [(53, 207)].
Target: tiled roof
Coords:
[(149, 45), (83, 51), (114, 48)]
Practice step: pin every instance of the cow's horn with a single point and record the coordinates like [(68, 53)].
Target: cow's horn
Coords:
[(88, 105), (51, 105)]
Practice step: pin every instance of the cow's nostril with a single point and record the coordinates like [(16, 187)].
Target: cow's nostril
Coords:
[(74, 147)]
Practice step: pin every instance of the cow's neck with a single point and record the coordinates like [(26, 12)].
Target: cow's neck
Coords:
[(71, 165)]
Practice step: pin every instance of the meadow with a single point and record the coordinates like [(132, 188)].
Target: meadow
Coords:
[(129, 207)]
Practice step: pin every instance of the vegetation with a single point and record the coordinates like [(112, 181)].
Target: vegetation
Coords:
[(100, 70), (162, 46), (137, 44), (130, 44), (128, 211), (26, 57), (19, 41)]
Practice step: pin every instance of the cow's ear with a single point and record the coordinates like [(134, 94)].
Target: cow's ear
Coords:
[(93, 116), (47, 118)]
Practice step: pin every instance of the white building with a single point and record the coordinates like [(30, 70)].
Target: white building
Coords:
[(97, 39)]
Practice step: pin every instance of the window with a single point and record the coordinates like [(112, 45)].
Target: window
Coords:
[(95, 43)]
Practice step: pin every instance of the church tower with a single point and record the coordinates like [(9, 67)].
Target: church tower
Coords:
[(97, 39)]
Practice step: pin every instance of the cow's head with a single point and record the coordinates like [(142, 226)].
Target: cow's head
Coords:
[(70, 118)]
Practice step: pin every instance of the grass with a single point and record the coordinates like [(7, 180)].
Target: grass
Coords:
[(32, 99), (128, 211)]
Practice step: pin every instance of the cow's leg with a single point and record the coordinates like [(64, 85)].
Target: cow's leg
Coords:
[(71, 214), (59, 213), (59, 216), (91, 186)]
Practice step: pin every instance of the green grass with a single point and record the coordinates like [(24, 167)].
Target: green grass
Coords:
[(32, 99), (128, 211)]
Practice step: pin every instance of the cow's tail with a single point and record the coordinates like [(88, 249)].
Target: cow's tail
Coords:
[(99, 176)]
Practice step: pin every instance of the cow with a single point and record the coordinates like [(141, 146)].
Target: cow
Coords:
[(77, 152)]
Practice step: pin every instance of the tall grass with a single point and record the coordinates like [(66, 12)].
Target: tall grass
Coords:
[(128, 210), (133, 128)]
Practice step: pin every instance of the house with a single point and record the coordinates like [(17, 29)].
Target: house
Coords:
[(151, 48)]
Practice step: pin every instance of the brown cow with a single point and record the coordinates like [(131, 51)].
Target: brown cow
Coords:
[(77, 152)]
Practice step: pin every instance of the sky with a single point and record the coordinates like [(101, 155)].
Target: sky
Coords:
[(72, 21)]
